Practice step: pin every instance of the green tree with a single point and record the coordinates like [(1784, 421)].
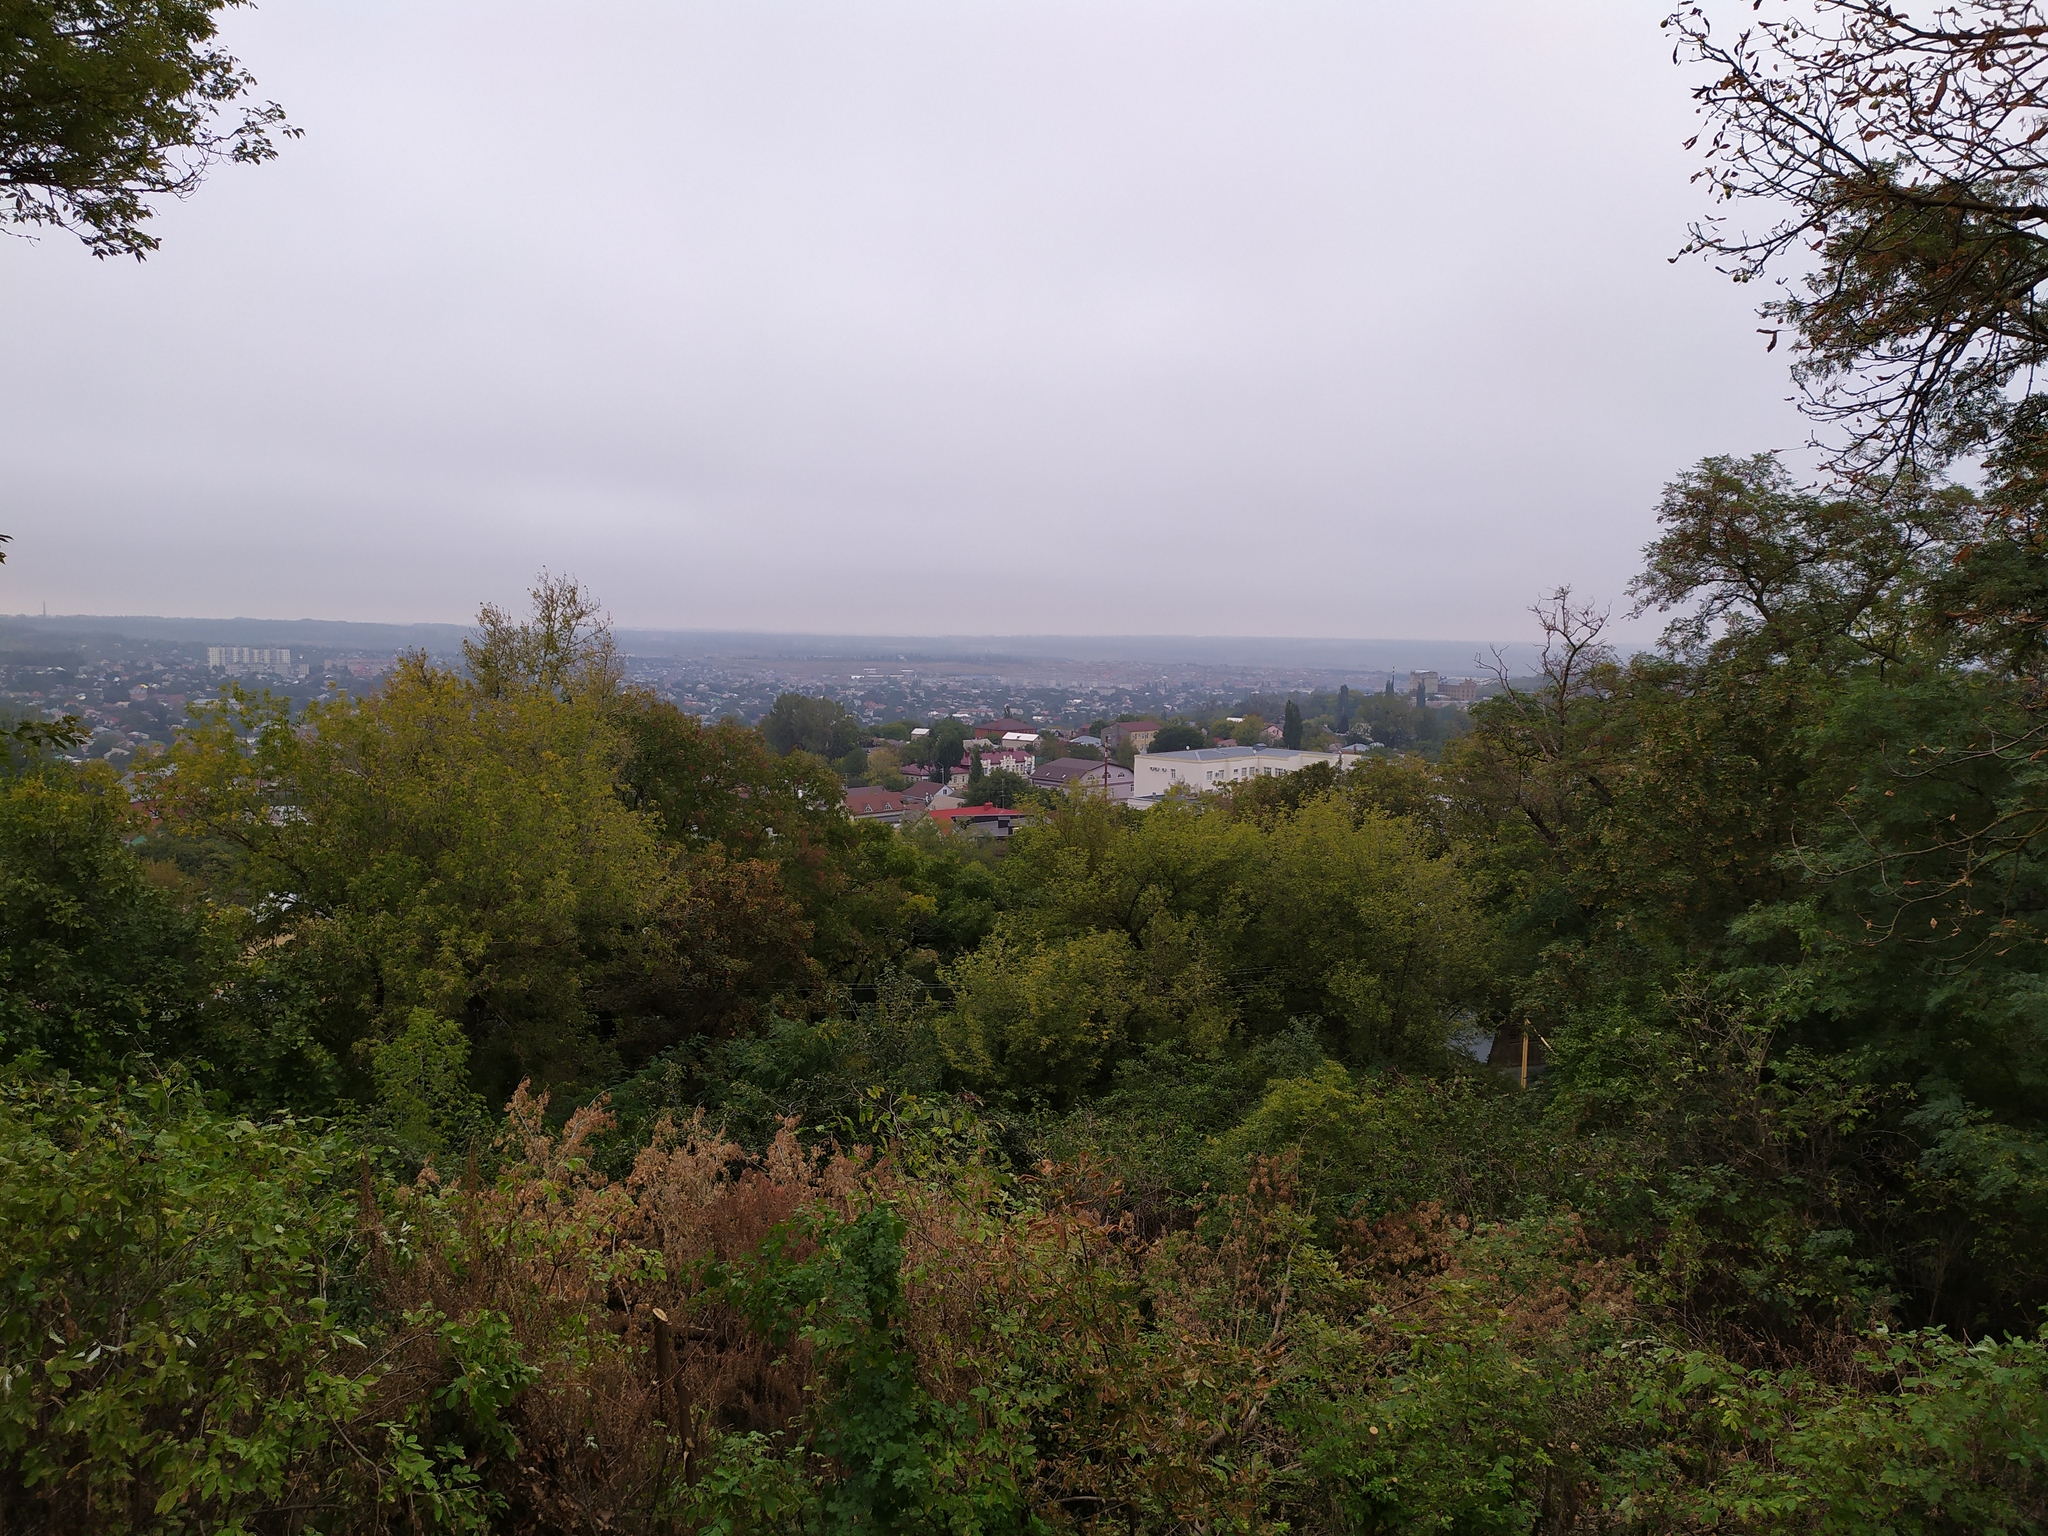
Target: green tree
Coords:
[(753, 825), (1825, 791), (506, 849), (435, 848), (563, 646), (106, 105), (999, 786), (884, 767), (1398, 722), (1201, 924), (1902, 172), (944, 746), (1290, 725), (98, 964), (1048, 1016), (1178, 736), (25, 743), (722, 785), (821, 727)]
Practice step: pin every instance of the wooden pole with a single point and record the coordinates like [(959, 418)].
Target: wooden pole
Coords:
[(664, 1361), (1525, 1053)]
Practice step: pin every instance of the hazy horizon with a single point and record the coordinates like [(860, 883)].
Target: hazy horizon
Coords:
[(1366, 653)]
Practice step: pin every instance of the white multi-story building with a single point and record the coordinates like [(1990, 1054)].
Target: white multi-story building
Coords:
[(1206, 768), (244, 658)]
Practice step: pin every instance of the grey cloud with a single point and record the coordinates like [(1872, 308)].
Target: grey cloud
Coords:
[(1251, 318)]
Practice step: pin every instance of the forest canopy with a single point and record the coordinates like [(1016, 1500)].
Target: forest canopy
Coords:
[(1626, 1120)]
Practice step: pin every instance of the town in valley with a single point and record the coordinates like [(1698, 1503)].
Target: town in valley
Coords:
[(968, 741)]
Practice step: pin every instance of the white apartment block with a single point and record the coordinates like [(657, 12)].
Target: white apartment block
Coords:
[(1208, 768), (243, 658)]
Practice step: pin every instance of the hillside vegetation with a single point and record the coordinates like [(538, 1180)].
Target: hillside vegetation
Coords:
[(505, 1103)]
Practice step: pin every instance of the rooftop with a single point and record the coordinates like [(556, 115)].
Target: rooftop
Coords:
[(1232, 754), (976, 814), (1061, 769)]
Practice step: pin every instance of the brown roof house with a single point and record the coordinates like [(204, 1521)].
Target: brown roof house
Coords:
[(922, 790), (890, 805), (992, 821), (1084, 774)]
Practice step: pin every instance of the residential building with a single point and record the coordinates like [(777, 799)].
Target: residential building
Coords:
[(1084, 773), (243, 658), (993, 757), (923, 791), (1422, 686), (871, 803), (990, 821), (1207, 768), (996, 730), (1138, 733), (1460, 690)]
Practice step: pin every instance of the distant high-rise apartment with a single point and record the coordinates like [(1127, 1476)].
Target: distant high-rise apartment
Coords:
[(244, 658)]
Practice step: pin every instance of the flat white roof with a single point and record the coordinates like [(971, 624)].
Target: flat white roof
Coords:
[(1230, 754)]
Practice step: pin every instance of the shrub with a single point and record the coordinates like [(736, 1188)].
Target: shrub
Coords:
[(184, 1345)]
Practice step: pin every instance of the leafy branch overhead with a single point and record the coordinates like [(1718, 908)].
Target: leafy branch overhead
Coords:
[(108, 105), (1901, 161)]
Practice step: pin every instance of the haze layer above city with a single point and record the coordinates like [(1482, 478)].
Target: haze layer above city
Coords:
[(1033, 318), (131, 680)]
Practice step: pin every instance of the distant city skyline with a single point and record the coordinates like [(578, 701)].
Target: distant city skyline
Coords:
[(130, 681), (1374, 654)]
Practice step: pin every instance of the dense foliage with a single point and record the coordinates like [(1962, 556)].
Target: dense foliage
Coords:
[(1143, 1176), (1897, 154), (107, 104)]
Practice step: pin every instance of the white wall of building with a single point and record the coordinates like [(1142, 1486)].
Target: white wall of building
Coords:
[(1216, 768), (245, 658)]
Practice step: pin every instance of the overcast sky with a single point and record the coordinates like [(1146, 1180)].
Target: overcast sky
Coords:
[(1100, 316)]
